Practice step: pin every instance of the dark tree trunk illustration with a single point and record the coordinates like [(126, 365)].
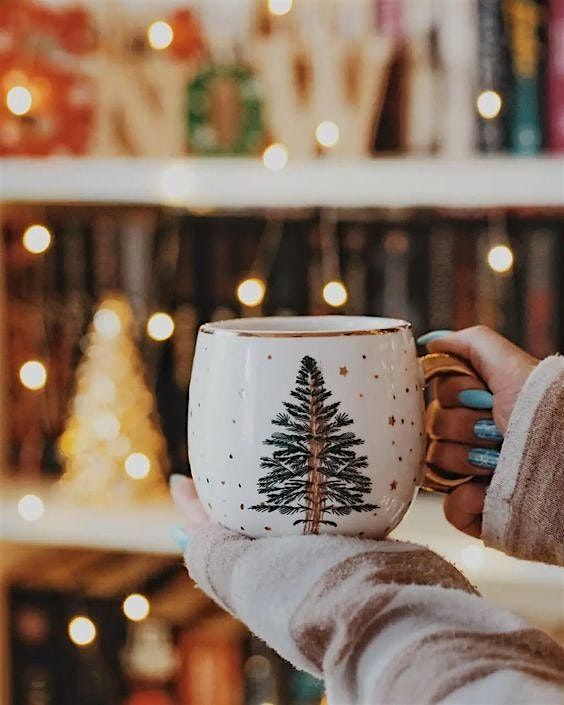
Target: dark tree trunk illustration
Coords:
[(314, 471)]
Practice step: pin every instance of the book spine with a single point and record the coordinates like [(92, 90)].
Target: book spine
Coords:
[(441, 279), (523, 22), (540, 297), (491, 72), (457, 45), (555, 76)]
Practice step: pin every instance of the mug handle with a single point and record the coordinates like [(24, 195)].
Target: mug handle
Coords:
[(433, 365)]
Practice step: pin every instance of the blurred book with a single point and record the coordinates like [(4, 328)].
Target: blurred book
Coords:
[(555, 76), (523, 21), (491, 76)]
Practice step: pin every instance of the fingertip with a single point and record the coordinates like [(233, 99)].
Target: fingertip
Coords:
[(463, 507), (432, 335)]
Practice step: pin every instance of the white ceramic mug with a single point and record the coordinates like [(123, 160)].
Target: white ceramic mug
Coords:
[(309, 424)]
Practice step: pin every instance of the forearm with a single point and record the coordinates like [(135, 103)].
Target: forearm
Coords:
[(381, 622), (523, 507)]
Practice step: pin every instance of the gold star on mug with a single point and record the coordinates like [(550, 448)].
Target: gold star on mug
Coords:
[(343, 371)]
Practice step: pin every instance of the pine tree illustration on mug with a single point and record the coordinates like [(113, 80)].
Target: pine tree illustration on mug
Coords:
[(314, 470)]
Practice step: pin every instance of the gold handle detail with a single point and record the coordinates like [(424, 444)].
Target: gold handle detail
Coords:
[(435, 364)]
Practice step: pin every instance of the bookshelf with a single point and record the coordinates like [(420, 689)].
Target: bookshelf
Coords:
[(238, 183)]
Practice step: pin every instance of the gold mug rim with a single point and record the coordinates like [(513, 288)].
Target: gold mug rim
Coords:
[(214, 327)]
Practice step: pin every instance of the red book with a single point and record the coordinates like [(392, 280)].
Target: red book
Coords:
[(555, 76)]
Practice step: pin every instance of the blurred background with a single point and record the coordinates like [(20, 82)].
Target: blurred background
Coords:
[(165, 163)]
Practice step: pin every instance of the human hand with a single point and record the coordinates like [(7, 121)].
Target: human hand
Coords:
[(469, 415), (194, 516)]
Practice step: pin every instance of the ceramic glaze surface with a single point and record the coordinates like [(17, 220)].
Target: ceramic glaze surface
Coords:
[(303, 426)]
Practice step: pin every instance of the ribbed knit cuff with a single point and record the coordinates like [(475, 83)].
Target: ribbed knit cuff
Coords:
[(499, 506)]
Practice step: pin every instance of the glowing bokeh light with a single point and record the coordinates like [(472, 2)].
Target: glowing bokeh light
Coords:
[(275, 157), (335, 293), (500, 258), (31, 507), (137, 465), (19, 100), (250, 292), (160, 326), (327, 133), (136, 607), (160, 35), (33, 375), (82, 631), (488, 104), (36, 239)]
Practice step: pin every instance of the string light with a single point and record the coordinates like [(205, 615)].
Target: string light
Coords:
[(335, 293), (250, 292), (160, 326), (31, 507), (488, 104), (275, 157), (36, 239), (500, 258), (327, 133), (107, 323), (19, 100), (106, 426), (136, 607), (280, 7), (82, 631), (137, 465), (160, 35), (33, 375)]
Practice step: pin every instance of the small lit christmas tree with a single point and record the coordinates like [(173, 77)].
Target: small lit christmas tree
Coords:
[(113, 449), (315, 470)]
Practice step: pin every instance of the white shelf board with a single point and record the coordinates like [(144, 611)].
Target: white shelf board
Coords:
[(233, 183), (146, 528)]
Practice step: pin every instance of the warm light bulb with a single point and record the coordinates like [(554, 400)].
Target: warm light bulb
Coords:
[(137, 465), (327, 133), (250, 292), (500, 258), (105, 426), (19, 100), (136, 607), (33, 374), (82, 631), (488, 104), (280, 7), (275, 157), (160, 35), (107, 323), (31, 507), (36, 239), (160, 326), (335, 293)]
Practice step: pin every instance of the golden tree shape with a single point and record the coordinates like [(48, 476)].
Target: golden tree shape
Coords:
[(113, 449)]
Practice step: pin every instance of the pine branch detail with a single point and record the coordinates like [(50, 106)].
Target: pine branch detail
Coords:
[(314, 470)]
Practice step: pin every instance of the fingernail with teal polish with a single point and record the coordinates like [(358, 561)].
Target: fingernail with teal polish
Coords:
[(476, 399), (180, 537), (432, 335), (486, 430), (176, 478), (483, 458)]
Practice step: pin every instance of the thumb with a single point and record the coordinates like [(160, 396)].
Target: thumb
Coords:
[(490, 354)]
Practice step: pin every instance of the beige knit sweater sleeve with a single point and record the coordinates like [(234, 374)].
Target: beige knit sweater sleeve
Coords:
[(382, 622), (523, 511)]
